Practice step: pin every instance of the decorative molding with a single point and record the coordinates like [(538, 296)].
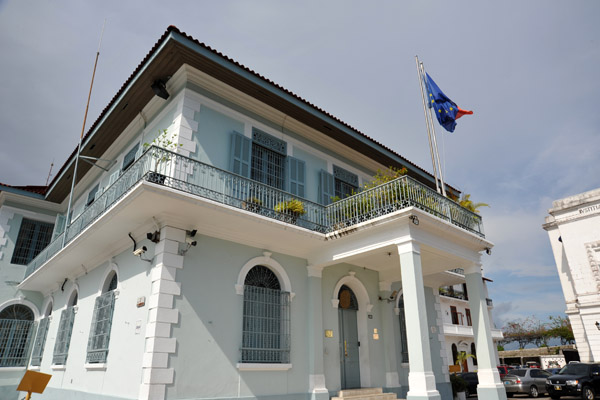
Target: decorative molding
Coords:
[(593, 253), (268, 141), (345, 175), (92, 367), (316, 272), (273, 265)]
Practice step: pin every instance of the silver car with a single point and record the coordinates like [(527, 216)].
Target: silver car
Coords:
[(531, 381)]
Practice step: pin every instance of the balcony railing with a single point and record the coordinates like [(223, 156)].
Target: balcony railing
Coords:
[(455, 294), (183, 173)]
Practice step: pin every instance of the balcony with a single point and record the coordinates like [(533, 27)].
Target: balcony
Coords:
[(194, 178), (455, 294)]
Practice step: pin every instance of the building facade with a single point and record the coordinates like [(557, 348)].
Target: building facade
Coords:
[(573, 227), (222, 248)]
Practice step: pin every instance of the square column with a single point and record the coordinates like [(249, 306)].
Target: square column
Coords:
[(388, 318), (490, 386), (316, 377), (421, 381)]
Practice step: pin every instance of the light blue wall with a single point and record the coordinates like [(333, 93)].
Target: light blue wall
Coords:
[(209, 333), (314, 165), (213, 139)]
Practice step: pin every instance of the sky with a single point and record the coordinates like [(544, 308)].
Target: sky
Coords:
[(528, 70)]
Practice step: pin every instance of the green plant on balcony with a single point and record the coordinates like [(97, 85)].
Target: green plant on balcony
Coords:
[(290, 210), (162, 142), (252, 204), (466, 202)]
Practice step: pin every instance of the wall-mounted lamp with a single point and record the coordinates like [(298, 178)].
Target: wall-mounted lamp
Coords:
[(598, 325), (160, 89), (488, 251), (414, 219)]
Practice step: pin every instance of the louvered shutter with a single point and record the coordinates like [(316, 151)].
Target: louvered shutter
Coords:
[(326, 187), (241, 151), (296, 176)]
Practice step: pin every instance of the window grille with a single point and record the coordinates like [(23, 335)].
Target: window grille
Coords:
[(63, 337), (97, 350), (33, 237), (346, 183), (16, 328), (40, 342), (268, 166), (403, 340), (266, 319)]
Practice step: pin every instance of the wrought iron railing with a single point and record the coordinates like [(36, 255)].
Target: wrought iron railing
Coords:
[(455, 294), (15, 341), (173, 170), (459, 271)]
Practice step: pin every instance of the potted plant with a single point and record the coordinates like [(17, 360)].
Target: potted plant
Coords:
[(164, 142), (461, 359), (290, 210), (252, 204), (459, 385)]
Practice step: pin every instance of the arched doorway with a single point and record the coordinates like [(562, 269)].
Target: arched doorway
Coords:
[(349, 343)]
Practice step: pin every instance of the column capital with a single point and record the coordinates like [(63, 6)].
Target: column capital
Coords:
[(410, 246), (314, 271)]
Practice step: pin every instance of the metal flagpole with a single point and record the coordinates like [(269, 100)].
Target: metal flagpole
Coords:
[(419, 72), (435, 146), (80, 139)]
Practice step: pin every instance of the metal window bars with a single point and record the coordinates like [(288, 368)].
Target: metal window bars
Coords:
[(63, 336), (266, 326), (15, 341), (169, 169), (99, 339), (33, 237), (40, 342)]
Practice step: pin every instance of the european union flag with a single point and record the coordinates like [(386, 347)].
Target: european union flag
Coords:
[(446, 111)]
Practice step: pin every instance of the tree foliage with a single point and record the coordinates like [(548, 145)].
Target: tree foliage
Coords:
[(532, 331)]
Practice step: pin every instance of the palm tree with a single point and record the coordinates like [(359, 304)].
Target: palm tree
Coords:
[(461, 358)]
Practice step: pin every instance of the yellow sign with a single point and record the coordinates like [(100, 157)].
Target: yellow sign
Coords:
[(329, 333), (33, 382)]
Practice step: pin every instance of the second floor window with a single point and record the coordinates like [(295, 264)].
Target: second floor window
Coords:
[(268, 166), (33, 237)]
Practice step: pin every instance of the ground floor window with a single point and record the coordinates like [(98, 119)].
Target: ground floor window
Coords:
[(266, 319), (97, 350), (16, 331)]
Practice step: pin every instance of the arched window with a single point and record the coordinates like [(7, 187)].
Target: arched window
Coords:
[(474, 353), (266, 319), (16, 323), (40, 338), (403, 340), (454, 354), (97, 350), (65, 329)]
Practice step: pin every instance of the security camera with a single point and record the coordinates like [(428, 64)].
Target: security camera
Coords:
[(190, 240), (140, 251), (393, 296)]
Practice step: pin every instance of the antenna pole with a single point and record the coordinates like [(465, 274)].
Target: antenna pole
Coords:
[(80, 139)]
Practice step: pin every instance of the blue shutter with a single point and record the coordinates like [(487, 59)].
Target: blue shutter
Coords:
[(296, 176), (130, 157), (241, 150), (326, 187)]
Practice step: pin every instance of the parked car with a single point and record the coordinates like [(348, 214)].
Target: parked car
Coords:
[(531, 381), (472, 382), (504, 369), (580, 379), (553, 371)]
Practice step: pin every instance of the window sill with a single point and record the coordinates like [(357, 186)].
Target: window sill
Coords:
[(34, 368), (58, 367), (96, 367), (263, 367), (7, 369)]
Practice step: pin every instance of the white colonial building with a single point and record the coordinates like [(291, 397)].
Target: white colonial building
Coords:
[(242, 261), (574, 230)]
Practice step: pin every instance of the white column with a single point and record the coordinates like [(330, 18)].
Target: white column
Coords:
[(388, 318), (421, 381), (490, 386), (316, 378), (161, 314)]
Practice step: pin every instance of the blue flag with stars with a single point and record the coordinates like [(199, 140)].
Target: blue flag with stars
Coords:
[(446, 111)]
